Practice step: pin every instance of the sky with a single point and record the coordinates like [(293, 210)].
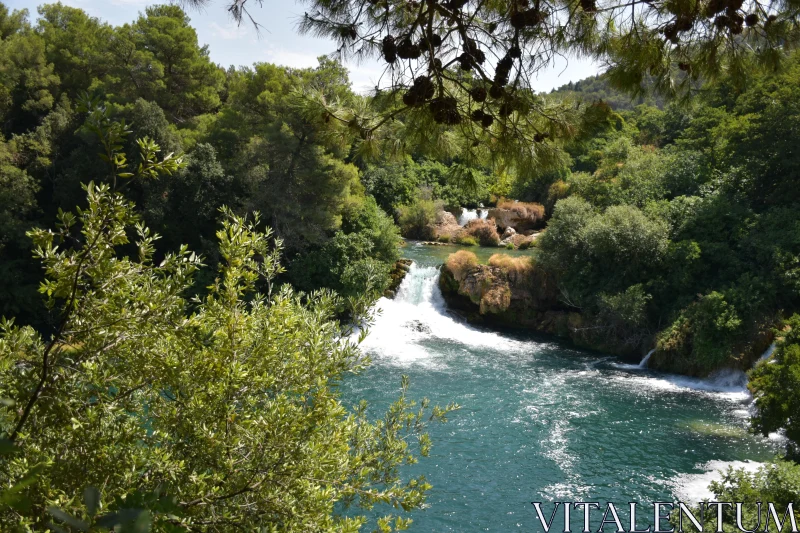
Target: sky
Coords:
[(278, 41)]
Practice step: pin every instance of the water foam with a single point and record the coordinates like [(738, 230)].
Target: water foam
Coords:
[(727, 384), (418, 313), (693, 488)]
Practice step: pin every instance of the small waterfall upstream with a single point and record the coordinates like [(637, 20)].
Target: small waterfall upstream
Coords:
[(643, 363), (471, 214)]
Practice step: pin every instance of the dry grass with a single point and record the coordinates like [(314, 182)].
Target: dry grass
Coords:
[(514, 266), (484, 231), (460, 263), (529, 210)]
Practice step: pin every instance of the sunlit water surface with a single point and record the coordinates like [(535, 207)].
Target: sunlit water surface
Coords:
[(542, 421)]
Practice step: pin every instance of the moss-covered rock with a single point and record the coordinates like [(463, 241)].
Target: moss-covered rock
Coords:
[(396, 276)]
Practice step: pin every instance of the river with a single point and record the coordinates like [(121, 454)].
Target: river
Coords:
[(543, 421)]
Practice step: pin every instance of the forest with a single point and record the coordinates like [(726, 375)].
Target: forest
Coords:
[(190, 256)]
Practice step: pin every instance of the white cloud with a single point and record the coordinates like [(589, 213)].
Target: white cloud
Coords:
[(288, 58), (228, 32)]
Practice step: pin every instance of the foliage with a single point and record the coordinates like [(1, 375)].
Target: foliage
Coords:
[(465, 240), (774, 383), (457, 185), (776, 483), (484, 231), (460, 263), (157, 403), (601, 252), (416, 220)]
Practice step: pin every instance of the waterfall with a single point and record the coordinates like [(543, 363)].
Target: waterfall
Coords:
[(471, 214), (417, 314), (643, 363), (767, 353)]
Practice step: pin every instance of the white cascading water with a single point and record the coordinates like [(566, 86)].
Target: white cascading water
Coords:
[(419, 313), (471, 214), (643, 363)]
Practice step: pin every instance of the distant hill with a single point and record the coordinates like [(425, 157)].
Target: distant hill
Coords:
[(597, 88)]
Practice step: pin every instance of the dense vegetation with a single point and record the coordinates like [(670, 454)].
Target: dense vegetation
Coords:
[(598, 88), (687, 223), (159, 372), (155, 366)]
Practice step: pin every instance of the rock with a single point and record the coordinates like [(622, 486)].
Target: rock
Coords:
[(398, 273), (418, 326), (508, 233), (446, 227), (518, 215), (446, 218)]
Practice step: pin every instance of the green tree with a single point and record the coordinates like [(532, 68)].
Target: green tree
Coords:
[(76, 45), (775, 383), (30, 85), (218, 413), (158, 58)]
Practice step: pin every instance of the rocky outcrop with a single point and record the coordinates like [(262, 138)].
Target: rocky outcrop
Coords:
[(508, 297), (523, 217), (446, 227), (514, 292), (397, 275)]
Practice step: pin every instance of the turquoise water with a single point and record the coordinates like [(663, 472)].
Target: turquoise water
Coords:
[(541, 421)]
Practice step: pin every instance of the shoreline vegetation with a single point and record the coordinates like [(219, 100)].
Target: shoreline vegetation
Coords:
[(186, 249)]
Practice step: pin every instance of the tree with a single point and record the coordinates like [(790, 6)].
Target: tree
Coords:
[(29, 83), (775, 383), (295, 170), (212, 414), (76, 46), (470, 66), (11, 23), (158, 58)]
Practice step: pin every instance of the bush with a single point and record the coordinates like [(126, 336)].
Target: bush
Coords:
[(417, 220), (484, 231), (775, 384), (466, 240), (516, 266), (776, 482), (602, 252), (367, 218), (460, 263)]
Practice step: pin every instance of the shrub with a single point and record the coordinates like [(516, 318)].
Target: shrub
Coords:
[(484, 231), (443, 238), (516, 266), (509, 246), (557, 191), (466, 240), (368, 219), (460, 263), (775, 383), (417, 220)]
